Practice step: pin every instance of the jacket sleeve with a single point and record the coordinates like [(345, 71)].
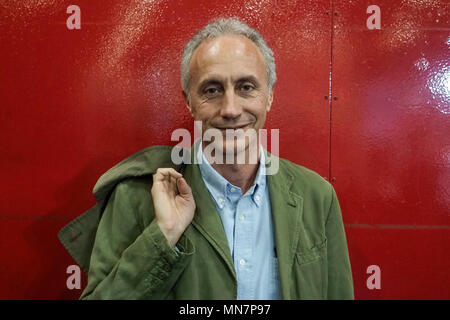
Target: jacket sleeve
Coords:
[(340, 280), (129, 261)]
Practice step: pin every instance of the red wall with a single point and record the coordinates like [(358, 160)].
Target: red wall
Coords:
[(75, 102)]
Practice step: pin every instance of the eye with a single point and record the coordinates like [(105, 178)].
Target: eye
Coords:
[(212, 91), (247, 87)]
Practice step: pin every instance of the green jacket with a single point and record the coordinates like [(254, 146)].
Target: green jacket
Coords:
[(119, 244)]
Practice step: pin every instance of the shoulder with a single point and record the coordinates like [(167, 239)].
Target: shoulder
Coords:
[(307, 183), (305, 178), (131, 198), (316, 194), (134, 187)]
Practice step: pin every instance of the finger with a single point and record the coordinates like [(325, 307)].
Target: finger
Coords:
[(165, 173), (183, 188), (170, 171), (173, 185)]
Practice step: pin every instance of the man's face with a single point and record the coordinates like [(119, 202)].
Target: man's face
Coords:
[(228, 86)]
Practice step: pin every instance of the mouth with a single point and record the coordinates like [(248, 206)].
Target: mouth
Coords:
[(235, 127)]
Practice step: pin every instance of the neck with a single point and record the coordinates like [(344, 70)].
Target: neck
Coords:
[(239, 175)]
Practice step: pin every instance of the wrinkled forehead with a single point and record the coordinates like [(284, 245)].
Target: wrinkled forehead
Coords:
[(227, 54)]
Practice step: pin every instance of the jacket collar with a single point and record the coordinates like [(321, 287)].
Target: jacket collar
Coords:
[(143, 162)]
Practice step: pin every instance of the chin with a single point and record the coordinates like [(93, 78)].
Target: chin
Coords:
[(235, 147)]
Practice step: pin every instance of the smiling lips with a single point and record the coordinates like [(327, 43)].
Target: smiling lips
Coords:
[(233, 127)]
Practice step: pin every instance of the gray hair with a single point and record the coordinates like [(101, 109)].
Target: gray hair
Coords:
[(227, 26)]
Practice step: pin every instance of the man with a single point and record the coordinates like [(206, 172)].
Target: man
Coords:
[(215, 230)]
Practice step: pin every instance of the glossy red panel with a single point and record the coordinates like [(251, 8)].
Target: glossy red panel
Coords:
[(75, 102), (390, 146), (33, 265), (413, 261)]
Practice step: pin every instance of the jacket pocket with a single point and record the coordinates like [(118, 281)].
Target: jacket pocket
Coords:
[(314, 253), (310, 272)]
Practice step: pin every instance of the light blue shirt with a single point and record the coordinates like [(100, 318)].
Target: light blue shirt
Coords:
[(248, 225)]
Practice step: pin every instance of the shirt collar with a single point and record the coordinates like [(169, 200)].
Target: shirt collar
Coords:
[(219, 187)]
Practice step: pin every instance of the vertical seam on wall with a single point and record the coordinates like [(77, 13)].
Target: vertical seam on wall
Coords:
[(330, 88)]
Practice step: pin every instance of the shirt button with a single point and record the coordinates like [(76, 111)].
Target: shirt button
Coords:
[(232, 189), (220, 202), (242, 262), (241, 217), (257, 198)]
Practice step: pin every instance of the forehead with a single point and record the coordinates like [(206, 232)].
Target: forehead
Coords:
[(227, 56)]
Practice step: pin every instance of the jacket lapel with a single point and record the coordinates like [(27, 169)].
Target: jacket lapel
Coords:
[(287, 209), (206, 218)]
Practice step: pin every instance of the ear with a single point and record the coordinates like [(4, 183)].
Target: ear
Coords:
[(269, 103), (187, 102)]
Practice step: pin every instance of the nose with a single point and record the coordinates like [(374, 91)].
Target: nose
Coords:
[(230, 106)]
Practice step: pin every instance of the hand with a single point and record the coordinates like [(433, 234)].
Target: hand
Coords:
[(173, 202)]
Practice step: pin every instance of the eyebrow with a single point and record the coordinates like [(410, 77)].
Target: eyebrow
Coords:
[(217, 80)]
